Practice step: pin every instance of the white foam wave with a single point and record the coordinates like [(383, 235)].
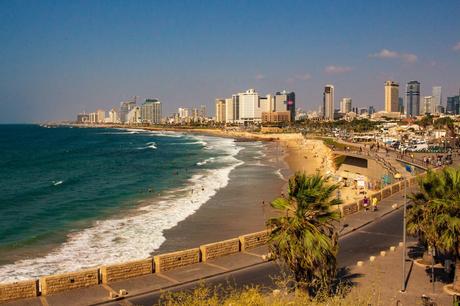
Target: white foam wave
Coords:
[(281, 176), (150, 145), (204, 162), (134, 236)]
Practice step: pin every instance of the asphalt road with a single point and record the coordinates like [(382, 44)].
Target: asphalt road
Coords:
[(359, 245)]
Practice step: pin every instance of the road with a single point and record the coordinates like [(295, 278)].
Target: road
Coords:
[(358, 245)]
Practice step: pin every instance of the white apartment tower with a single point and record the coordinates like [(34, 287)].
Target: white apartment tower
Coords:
[(345, 105), (328, 102), (220, 111), (436, 100), (391, 96)]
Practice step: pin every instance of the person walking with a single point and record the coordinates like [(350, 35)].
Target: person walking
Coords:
[(374, 204), (366, 203)]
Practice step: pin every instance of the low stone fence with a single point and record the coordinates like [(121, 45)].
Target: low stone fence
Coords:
[(18, 290), (254, 240), (178, 259), (218, 249), (73, 280), (130, 269)]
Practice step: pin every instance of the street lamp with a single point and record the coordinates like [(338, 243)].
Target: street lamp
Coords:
[(403, 285)]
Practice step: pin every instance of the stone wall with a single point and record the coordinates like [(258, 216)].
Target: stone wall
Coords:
[(350, 209), (18, 290), (254, 240), (386, 192), (394, 188), (218, 249), (60, 282), (174, 260), (126, 270)]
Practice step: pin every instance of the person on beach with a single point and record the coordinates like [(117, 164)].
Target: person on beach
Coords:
[(365, 203)]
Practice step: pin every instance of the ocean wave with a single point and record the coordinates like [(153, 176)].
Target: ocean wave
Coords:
[(204, 162), (137, 234), (281, 176), (150, 145)]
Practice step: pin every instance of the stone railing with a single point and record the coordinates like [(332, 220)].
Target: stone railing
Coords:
[(106, 274)]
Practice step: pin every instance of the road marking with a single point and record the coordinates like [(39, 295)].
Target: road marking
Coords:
[(167, 278), (377, 233)]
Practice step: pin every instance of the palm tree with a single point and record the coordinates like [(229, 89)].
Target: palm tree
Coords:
[(304, 236), (435, 214)]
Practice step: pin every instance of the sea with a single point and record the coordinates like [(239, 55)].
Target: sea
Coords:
[(73, 198)]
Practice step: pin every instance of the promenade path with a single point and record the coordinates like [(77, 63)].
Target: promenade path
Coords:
[(249, 265)]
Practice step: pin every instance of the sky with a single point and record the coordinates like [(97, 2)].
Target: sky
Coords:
[(59, 58)]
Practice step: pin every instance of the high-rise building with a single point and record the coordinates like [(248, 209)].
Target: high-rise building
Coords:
[(151, 111), (391, 96), (453, 105), (427, 105), (134, 115), (229, 117), (203, 114), (401, 105), (113, 116), (283, 102), (345, 105), (437, 99), (412, 99), (100, 115), (328, 102), (371, 110), (126, 107), (83, 118), (183, 112), (220, 111)]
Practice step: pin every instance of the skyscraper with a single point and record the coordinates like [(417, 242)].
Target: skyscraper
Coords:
[(401, 105), (437, 99), (229, 110), (391, 96), (220, 110), (412, 98), (151, 111), (126, 107), (345, 105), (328, 102), (284, 102)]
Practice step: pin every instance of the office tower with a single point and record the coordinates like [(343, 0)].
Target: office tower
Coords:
[(412, 99), (345, 105), (391, 96), (83, 118), (113, 116), (328, 102), (401, 105), (453, 105), (427, 105), (236, 107), (202, 114), (126, 107), (437, 99), (100, 115), (183, 112), (151, 111), (284, 102), (220, 110)]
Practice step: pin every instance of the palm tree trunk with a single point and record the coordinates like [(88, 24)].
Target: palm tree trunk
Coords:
[(427, 258), (456, 285)]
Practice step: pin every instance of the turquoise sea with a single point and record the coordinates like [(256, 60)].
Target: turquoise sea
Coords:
[(72, 198)]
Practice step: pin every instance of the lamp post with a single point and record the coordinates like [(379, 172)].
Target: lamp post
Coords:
[(403, 285)]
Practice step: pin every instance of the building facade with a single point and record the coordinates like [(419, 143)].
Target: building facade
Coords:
[(345, 105), (436, 102), (125, 108), (151, 111), (412, 108), (427, 105), (391, 96), (276, 117), (221, 111), (328, 102)]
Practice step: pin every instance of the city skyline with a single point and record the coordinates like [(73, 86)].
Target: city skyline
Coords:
[(62, 58)]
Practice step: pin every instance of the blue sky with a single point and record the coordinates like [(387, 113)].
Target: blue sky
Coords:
[(59, 58)]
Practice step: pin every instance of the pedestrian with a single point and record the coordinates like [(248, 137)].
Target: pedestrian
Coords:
[(374, 204), (365, 203)]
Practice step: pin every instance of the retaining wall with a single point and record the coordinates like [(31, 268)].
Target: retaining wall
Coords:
[(218, 249), (60, 282), (386, 192), (394, 188), (18, 290), (178, 259), (126, 270), (254, 240)]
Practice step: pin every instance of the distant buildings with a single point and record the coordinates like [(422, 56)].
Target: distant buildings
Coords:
[(126, 107), (391, 96), (436, 102), (345, 105), (328, 102), (83, 118), (134, 116), (453, 105), (113, 116), (412, 108), (221, 111), (427, 105), (401, 105), (249, 107), (151, 111)]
